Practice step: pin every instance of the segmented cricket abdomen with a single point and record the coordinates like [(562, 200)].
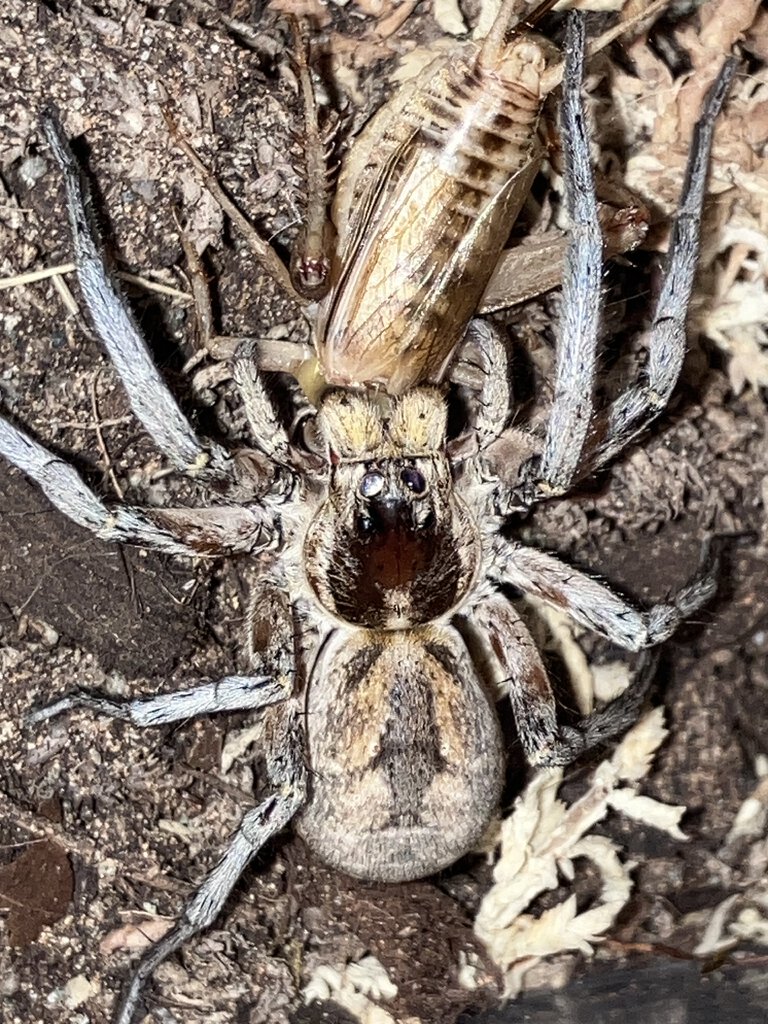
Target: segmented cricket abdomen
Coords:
[(424, 213), (482, 123)]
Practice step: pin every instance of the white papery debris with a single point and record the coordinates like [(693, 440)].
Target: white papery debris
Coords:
[(468, 969), (743, 916), (563, 632), (448, 16), (79, 990), (751, 819), (543, 837), (751, 925), (712, 940), (354, 988)]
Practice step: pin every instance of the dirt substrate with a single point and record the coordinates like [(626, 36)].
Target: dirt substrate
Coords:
[(104, 826)]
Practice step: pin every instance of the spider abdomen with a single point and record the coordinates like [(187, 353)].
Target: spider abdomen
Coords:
[(404, 751)]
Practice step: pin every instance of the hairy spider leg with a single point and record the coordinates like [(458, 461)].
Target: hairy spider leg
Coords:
[(173, 531), (573, 443), (148, 394), (524, 677), (288, 775), (593, 604)]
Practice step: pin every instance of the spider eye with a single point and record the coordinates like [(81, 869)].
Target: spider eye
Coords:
[(414, 481), (371, 485)]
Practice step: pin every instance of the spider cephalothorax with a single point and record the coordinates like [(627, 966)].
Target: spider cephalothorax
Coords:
[(392, 545)]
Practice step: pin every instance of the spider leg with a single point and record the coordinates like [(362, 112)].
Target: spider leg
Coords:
[(258, 826), (572, 445), (606, 723), (173, 531), (633, 411), (595, 605), (483, 356), (269, 434), (150, 399), (572, 405), (514, 658), (482, 366), (232, 693)]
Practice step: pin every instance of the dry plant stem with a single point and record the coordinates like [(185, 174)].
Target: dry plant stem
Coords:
[(68, 268), (200, 294), (101, 444), (65, 294), (36, 275)]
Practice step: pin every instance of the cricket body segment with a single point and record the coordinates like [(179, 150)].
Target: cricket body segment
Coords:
[(423, 209)]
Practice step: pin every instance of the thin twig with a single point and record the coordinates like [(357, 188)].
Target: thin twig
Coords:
[(100, 443), (32, 276), (65, 294)]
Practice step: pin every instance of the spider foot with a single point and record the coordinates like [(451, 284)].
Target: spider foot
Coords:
[(605, 724), (98, 704)]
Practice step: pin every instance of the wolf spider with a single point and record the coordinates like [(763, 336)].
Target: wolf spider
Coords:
[(378, 634)]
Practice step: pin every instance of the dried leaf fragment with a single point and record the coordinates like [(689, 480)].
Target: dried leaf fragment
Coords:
[(135, 936), (354, 988), (542, 838)]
